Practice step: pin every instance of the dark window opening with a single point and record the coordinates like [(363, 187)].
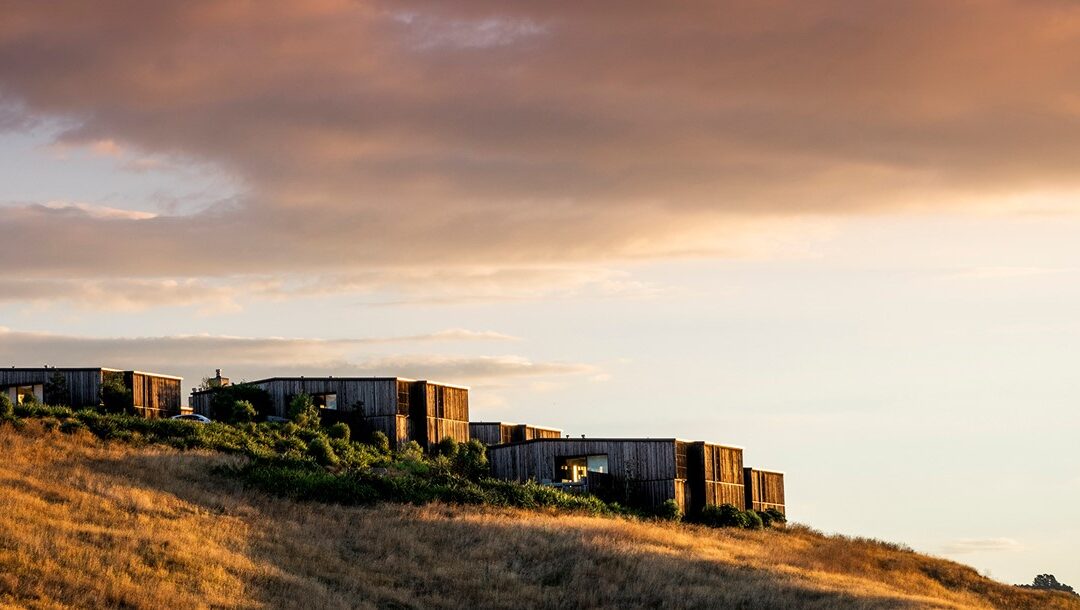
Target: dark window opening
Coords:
[(325, 401), (576, 469)]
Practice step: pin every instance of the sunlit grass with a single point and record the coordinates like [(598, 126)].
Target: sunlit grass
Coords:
[(89, 524)]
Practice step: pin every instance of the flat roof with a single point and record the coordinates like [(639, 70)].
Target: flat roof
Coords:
[(508, 423), (88, 368), (334, 378), (614, 440)]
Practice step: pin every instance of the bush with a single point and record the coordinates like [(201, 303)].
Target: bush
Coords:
[(242, 411), (224, 399), (303, 412), (323, 453), (446, 447), (770, 516), (669, 511), (340, 431), (72, 426), (725, 515), (470, 460), (380, 442), (7, 410), (115, 396), (753, 520)]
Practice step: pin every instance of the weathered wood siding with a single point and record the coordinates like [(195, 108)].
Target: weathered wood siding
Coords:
[(437, 412), (643, 470), (83, 384), (715, 473), (401, 409), (489, 432), (368, 397), (764, 489), (497, 433), (153, 396)]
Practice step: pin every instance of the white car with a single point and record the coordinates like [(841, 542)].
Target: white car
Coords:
[(195, 417)]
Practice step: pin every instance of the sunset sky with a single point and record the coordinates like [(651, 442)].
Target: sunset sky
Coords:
[(840, 234)]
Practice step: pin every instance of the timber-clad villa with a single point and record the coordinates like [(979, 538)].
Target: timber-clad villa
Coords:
[(642, 471)]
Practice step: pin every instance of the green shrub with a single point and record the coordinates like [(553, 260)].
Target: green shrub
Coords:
[(7, 410), (380, 442), (50, 423), (323, 453), (242, 411), (224, 399), (115, 396), (340, 431), (411, 452), (753, 520), (725, 515), (72, 426), (447, 447), (303, 412), (470, 460), (669, 511), (774, 516)]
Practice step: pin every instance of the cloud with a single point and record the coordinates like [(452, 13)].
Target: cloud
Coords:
[(980, 545), (471, 133), (195, 356)]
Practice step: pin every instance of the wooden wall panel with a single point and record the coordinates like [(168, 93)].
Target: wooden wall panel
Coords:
[(646, 468), (764, 490), (84, 384)]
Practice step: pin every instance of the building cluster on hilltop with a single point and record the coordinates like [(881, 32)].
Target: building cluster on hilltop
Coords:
[(643, 471)]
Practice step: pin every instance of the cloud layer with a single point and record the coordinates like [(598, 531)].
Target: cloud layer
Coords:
[(389, 135), (195, 356)]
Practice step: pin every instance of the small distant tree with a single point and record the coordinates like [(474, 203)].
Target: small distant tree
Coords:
[(303, 412), (1048, 582), (56, 390), (7, 410), (223, 401), (115, 396), (243, 411), (470, 460)]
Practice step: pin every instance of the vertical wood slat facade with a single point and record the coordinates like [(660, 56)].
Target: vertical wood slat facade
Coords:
[(643, 471), (152, 395), (716, 475), (647, 472), (402, 409), (764, 490), (497, 433)]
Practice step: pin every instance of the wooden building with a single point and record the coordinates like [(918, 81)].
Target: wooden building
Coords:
[(497, 432), (403, 409), (643, 472), (764, 489), (147, 394)]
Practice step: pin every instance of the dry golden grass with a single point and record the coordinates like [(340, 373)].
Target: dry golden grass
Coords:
[(87, 524)]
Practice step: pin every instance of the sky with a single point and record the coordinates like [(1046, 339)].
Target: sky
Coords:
[(840, 234)]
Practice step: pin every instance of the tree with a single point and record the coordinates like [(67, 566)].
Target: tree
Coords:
[(115, 396), (1049, 583), (303, 412), (56, 390), (223, 402)]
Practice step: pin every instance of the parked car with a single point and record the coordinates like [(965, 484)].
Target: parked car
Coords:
[(195, 417)]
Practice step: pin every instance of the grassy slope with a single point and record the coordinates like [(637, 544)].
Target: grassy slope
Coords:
[(88, 524)]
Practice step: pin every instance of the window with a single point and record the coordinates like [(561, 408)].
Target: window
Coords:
[(576, 469), (325, 401), (27, 393)]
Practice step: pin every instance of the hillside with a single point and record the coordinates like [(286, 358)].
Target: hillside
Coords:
[(85, 523)]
